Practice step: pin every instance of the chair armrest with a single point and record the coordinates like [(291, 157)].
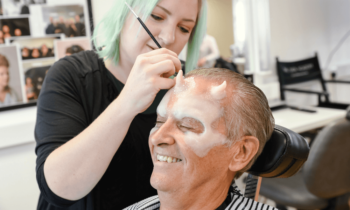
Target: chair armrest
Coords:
[(338, 81), (306, 91)]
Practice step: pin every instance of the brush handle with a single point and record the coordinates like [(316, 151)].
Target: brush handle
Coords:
[(149, 33)]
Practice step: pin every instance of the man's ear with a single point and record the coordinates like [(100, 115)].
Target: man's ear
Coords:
[(243, 152)]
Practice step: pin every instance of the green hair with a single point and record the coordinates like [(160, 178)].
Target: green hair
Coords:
[(106, 38)]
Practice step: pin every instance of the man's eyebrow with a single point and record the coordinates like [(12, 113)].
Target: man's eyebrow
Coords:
[(169, 13)]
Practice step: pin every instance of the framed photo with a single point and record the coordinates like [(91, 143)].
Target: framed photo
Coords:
[(17, 7), (67, 19), (33, 35), (11, 77), (14, 27), (35, 48), (71, 46), (34, 73)]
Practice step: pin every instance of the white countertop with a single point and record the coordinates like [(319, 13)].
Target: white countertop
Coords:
[(299, 121)]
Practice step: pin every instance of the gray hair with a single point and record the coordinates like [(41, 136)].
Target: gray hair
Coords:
[(248, 112)]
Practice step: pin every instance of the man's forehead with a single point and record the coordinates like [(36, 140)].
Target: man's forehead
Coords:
[(200, 86), (197, 88)]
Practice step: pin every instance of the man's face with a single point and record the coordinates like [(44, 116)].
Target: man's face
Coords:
[(188, 142)]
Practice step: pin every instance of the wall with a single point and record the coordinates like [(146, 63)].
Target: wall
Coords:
[(99, 7), (338, 24), (220, 24), (300, 28)]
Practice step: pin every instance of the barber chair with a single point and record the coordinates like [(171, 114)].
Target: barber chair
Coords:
[(222, 63), (290, 73), (324, 181), (283, 155)]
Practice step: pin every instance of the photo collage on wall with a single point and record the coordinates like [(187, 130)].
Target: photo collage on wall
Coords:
[(34, 34)]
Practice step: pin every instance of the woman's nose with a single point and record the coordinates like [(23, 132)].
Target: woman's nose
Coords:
[(164, 135), (167, 35)]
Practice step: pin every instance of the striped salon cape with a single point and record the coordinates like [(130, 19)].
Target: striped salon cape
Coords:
[(238, 202)]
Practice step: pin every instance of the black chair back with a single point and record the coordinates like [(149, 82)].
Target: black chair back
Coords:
[(221, 63), (299, 71), (283, 155)]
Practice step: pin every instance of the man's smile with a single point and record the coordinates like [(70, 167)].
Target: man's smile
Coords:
[(167, 159)]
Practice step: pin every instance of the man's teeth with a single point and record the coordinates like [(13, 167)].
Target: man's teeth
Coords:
[(167, 159)]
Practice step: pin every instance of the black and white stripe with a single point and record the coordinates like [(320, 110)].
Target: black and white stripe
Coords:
[(239, 202)]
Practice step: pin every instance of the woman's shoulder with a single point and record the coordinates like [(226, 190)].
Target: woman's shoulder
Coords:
[(80, 64)]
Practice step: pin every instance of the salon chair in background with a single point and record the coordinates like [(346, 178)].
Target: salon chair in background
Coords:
[(324, 181), (222, 63), (283, 155), (290, 73)]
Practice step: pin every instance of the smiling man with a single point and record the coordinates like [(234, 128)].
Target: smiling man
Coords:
[(210, 128)]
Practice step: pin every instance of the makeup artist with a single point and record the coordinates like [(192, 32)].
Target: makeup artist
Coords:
[(96, 108)]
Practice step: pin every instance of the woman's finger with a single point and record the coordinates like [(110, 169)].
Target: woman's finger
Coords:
[(160, 51), (165, 83), (164, 68), (162, 57)]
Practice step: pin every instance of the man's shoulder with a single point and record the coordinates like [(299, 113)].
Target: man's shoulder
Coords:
[(148, 203)]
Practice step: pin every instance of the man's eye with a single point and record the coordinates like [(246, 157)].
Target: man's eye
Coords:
[(184, 30), (156, 17), (186, 127)]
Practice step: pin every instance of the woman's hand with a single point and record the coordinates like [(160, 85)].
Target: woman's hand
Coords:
[(149, 75)]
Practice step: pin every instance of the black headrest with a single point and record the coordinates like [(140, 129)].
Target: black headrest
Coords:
[(283, 155)]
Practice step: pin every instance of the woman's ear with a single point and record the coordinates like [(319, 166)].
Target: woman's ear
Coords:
[(243, 152)]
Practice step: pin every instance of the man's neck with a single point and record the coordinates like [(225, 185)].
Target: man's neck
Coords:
[(208, 196)]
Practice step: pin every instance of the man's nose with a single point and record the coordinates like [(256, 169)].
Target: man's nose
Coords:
[(164, 135), (167, 34)]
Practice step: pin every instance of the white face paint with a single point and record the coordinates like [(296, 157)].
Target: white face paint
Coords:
[(219, 92), (204, 111), (163, 105), (183, 84), (198, 107)]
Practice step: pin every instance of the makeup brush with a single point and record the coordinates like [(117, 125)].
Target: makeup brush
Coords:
[(144, 26)]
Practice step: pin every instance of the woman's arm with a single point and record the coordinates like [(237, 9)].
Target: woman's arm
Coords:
[(75, 167)]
